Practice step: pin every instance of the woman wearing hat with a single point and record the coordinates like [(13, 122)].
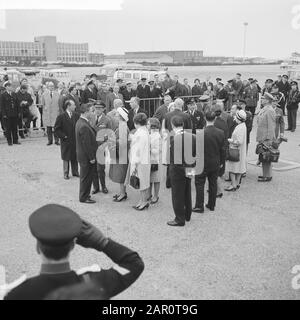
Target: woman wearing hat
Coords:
[(238, 141), (119, 154), (266, 125)]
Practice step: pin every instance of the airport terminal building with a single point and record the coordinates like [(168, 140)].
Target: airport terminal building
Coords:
[(44, 48)]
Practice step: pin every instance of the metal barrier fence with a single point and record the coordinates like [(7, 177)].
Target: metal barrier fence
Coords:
[(150, 105)]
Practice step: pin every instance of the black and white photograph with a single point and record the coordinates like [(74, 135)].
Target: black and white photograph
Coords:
[(149, 150)]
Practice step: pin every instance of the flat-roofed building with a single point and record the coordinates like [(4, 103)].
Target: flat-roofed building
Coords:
[(178, 56), (21, 51), (96, 58)]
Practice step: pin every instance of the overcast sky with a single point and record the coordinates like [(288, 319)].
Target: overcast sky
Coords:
[(214, 26)]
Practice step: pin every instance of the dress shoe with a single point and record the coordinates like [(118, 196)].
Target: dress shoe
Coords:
[(293, 130), (76, 175), (66, 177), (154, 201), (57, 143), (22, 137), (146, 206), (17, 142), (198, 210), (265, 179), (89, 201), (104, 190), (95, 191), (118, 199), (209, 207), (288, 129), (49, 143), (10, 143), (220, 195), (174, 223)]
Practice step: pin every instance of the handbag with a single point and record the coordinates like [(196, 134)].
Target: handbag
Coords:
[(134, 180), (233, 154)]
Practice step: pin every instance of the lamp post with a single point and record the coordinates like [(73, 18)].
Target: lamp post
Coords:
[(245, 37)]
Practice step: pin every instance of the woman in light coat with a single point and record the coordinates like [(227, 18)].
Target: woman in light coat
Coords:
[(139, 160), (238, 140), (155, 159), (266, 127)]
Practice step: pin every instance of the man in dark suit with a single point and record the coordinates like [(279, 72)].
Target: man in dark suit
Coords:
[(102, 125), (89, 92), (79, 91), (182, 143), (214, 154), (222, 94), (72, 96), (57, 230), (163, 109), (10, 113), (128, 93), (197, 116), (135, 109), (86, 148), (65, 129), (143, 92)]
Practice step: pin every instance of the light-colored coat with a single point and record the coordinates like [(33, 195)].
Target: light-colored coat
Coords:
[(50, 108), (140, 156), (155, 155), (266, 125), (239, 137)]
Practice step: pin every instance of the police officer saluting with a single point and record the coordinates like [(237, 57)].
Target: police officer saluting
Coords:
[(56, 229)]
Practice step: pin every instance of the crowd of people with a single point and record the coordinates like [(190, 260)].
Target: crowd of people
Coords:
[(130, 127), (201, 132)]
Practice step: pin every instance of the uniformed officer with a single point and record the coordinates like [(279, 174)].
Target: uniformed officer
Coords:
[(197, 116), (56, 229)]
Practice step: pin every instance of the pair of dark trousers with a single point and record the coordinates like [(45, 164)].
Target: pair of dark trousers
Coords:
[(181, 194), (74, 167), (11, 126), (99, 174), (50, 135), (86, 179), (292, 119), (212, 178)]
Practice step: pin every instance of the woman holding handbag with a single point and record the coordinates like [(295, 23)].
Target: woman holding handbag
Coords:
[(139, 161), (237, 152)]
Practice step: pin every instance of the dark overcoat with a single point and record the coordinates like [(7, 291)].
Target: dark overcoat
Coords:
[(65, 129)]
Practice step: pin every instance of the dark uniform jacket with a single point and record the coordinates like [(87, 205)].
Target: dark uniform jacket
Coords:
[(142, 92), (198, 120), (222, 95), (111, 281), (64, 128), (88, 94), (197, 90), (127, 95), (86, 145), (9, 105), (187, 123), (293, 100), (284, 88)]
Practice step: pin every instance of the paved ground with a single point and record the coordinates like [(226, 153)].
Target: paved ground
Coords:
[(246, 249)]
